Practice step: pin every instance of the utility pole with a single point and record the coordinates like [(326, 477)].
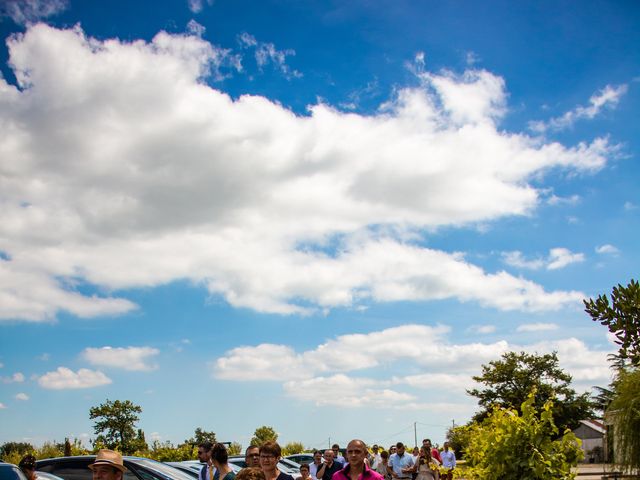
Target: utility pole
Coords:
[(415, 435)]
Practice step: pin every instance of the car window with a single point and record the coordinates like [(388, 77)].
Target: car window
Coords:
[(11, 473), (76, 471)]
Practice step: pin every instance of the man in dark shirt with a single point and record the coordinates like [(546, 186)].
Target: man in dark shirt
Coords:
[(329, 467)]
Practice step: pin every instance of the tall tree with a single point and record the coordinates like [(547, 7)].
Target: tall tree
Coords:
[(625, 411), (263, 434), (622, 317), (509, 381), (201, 436), (115, 425)]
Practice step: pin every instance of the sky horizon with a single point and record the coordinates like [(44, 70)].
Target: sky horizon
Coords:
[(323, 217)]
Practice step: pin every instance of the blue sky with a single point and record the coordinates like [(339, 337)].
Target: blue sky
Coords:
[(318, 216)]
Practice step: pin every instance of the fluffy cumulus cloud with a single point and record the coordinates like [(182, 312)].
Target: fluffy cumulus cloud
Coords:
[(120, 168), (129, 358), (353, 370), (22, 397), (66, 379)]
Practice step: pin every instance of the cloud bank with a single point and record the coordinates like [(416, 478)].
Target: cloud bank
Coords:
[(121, 168), (354, 370)]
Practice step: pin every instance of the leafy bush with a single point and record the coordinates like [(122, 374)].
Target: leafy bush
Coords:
[(510, 446)]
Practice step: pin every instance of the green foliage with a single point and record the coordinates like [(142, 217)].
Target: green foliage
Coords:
[(201, 436), (166, 452), (509, 381), (510, 446), (12, 450), (115, 426), (264, 434), (234, 449), (625, 411), (458, 438), (622, 318), (292, 448)]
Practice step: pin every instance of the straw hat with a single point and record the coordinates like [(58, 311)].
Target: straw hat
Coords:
[(109, 457)]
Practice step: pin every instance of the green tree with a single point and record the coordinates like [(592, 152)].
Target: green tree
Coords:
[(292, 448), (622, 317), (234, 449), (625, 411), (458, 438), (21, 448), (115, 425), (201, 436), (509, 381), (508, 445), (263, 434)]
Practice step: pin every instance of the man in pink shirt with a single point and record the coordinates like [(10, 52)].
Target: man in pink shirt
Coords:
[(356, 469)]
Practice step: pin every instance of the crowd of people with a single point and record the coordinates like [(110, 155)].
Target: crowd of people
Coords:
[(426, 463)]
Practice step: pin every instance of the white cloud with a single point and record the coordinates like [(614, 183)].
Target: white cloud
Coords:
[(482, 329), (66, 379), (22, 396), (196, 6), (561, 257), (267, 54), (195, 28), (321, 375), (270, 210), (536, 327), (557, 258), (607, 249), (17, 377), (571, 200), (2, 406), (629, 206), (155, 436), (26, 11), (129, 358), (517, 259), (608, 97)]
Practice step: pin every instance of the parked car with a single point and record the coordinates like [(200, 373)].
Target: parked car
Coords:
[(48, 476), (138, 468), (193, 467), (301, 458), (286, 466), (9, 471)]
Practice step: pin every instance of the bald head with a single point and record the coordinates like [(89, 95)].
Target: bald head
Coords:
[(356, 453)]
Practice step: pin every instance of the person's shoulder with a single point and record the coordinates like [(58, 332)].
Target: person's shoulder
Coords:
[(284, 476)]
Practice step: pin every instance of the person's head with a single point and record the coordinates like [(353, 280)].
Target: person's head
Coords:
[(446, 446), (425, 452), (270, 453), (317, 457), (219, 455), (250, 473), (28, 466), (392, 449), (328, 456), (384, 455), (426, 443), (416, 451), (204, 451), (304, 470), (252, 456), (400, 448), (356, 453), (375, 449), (336, 450), (108, 466)]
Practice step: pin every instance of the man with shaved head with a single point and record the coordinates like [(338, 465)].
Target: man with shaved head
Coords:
[(357, 469)]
